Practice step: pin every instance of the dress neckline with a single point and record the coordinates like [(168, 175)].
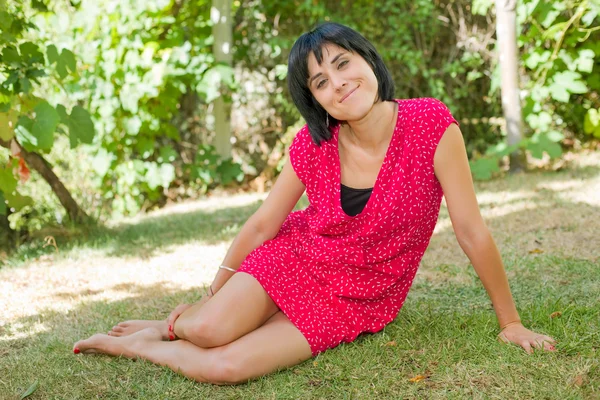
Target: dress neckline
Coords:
[(356, 189), (376, 185)]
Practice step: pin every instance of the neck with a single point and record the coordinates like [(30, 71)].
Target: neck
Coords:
[(373, 129)]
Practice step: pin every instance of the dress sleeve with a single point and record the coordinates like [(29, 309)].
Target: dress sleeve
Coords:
[(302, 154), (434, 119)]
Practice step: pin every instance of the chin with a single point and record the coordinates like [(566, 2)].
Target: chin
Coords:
[(359, 111)]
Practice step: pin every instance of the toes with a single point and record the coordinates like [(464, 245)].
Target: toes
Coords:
[(88, 346)]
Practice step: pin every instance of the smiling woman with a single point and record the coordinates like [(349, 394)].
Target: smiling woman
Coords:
[(334, 52), (295, 284)]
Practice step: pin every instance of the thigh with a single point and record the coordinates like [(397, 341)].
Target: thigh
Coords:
[(275, 345), (239, 307)]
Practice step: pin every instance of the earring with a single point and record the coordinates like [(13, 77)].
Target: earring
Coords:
[(327, 120)]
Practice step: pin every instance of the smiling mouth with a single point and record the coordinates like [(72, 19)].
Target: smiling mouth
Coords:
[(348, 94)]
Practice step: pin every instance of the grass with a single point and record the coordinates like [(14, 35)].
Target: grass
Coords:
[(442, 345)]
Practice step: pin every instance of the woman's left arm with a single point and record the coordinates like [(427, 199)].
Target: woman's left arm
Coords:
[(452, 170)]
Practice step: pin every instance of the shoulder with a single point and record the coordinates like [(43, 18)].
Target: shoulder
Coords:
[(425, 109), (302, 137), (427, 114), (302, 153), (302, 144)]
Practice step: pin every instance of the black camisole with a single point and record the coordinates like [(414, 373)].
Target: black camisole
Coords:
[(354, 200)]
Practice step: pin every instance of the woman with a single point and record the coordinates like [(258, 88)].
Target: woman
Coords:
[(295, 284)]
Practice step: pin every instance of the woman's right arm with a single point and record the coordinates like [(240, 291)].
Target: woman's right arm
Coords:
[(264, 224)]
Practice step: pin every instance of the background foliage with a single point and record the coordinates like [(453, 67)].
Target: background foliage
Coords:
[(116, 95)]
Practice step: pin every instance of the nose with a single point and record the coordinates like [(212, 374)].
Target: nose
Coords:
[(338, 82)]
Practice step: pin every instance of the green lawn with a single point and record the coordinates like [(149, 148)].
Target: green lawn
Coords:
[(546, 225)]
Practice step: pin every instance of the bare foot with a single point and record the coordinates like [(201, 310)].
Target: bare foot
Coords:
[(118, 346), (130, 327)]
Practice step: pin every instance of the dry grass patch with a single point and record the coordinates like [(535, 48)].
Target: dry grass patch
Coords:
[(549, 213), (143, 267)]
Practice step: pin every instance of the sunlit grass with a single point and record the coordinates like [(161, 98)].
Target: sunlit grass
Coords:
[(442, 344)]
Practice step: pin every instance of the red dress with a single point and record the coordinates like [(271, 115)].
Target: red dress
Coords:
[(336, 276)]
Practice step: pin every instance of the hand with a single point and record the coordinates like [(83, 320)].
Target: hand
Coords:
[(180, 309), (519, 335)]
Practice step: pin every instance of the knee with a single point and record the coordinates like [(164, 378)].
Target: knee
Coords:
[(228, 369), (204, 333)]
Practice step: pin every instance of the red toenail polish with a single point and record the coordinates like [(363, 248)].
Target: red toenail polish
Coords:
[(170, 328), (76, 350), (171, 337)]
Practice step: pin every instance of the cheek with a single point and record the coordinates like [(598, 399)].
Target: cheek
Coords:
[(323, 98)]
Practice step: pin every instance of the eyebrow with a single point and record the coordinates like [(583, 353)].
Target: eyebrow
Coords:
[(332, 62)]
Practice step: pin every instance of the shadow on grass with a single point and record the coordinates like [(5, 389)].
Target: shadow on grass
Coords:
[(153, 234), (446, 334)]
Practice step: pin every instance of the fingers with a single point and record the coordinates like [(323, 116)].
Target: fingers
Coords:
[(175, 314), (502, 338), (527, 346), (544, 342), (549, 339), (173, 317)]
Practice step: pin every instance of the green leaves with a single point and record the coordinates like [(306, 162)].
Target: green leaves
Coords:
[(585, 61), (565, 83), (159, 175), (64, 62), (8, 191), (17, 201), (540, 143), (30, 53), (481, 7), (8, 182), (80, 124), (210, 85), (46, 121), (545, 142), (483, 168), (591, 123), (81, 127), (52, 54), (8, 121), (10, 55), (38, 134), (2, 204)]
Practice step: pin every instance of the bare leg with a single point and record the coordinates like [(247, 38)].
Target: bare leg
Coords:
[(277, 344), (239, 307), (242, 299)]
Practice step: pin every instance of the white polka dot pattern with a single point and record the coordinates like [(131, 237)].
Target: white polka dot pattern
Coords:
[(336, 276)]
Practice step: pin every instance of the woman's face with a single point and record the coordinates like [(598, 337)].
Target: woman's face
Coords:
[(344, 84)]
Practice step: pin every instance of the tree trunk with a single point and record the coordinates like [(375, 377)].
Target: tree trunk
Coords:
[(506, 31), (7, 235), (220, 14), (43, 167)]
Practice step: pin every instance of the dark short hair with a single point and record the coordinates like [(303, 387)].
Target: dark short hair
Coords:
[(313, 41)]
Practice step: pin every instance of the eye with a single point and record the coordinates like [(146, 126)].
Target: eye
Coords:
[(343, 63), (321, 83)]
